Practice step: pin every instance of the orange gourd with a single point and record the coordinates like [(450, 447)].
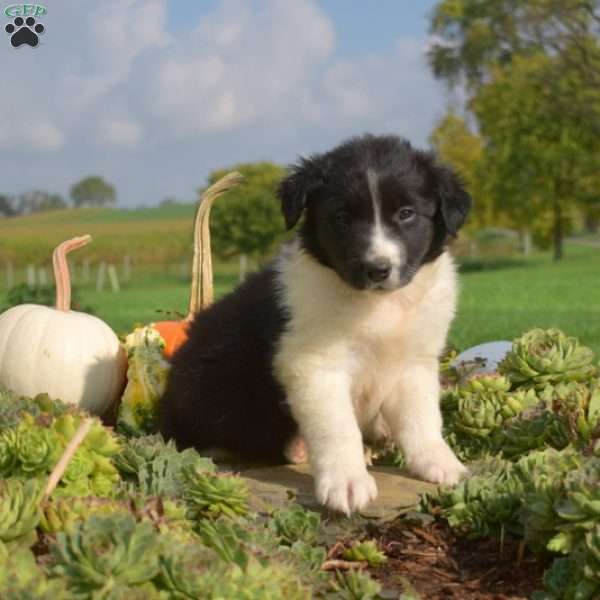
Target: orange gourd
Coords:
[(175, 333)]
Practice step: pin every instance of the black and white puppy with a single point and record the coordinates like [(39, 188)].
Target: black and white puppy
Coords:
[(339, 337)]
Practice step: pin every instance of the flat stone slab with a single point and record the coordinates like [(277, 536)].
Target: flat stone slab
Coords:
[(276, 486)]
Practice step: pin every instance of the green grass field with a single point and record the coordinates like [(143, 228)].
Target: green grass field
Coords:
[(502, 302), (148, 235), (499, 299)]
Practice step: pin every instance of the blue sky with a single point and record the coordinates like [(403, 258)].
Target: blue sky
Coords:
[(153, 94)]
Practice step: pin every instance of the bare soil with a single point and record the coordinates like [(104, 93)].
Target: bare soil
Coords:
[(434, 562)]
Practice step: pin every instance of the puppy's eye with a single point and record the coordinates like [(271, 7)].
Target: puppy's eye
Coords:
[(342, 217), (405, 214)]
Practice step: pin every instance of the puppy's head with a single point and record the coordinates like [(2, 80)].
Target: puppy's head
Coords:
[(375, 209)]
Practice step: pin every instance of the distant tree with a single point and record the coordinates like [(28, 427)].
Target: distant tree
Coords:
[(459, 147), (39, 201), (93, 191), (7, 206), (248, 219), (541, 166), (169, 202), (530, 70)]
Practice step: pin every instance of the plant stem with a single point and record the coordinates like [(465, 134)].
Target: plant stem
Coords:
[(62, 464), (61, 270), (201, 293)]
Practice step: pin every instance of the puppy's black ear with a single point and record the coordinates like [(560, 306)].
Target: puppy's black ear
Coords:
[(455, 202), (304, 178)]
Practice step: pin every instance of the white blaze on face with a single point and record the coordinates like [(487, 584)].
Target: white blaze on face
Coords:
[(383, 246)]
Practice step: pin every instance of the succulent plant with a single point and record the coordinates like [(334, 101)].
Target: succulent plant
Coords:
[(13, 407), (8, 455), (482, 405), (578, 404), (295, 523), (591, 552), (62, 513), (543, 475), (564, 581), (236, 540), (99, 440), (532, 430), (105, 551), (22, 579), (145, 591), (19, 510), (541, 356), (491, 382), (155, 467), (365, 551), (211, 495), (356, 585), (483, 504), (267, 582), (185, 570), (578, 507)]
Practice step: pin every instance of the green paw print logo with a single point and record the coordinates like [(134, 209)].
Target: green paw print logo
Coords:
[(24, 29)]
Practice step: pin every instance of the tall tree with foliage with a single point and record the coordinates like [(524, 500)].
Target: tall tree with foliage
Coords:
[(39, 201), (539, 164), (7, 206), (461, 148), (93, 191), (531, 70), (248, 219)]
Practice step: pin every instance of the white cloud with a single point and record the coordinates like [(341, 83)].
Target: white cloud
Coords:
[(239, 66), (120, 32), (34, 132), (252, 79), (120, 131)]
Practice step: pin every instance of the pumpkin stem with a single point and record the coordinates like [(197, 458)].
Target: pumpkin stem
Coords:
[(201, 293), (61, 270)]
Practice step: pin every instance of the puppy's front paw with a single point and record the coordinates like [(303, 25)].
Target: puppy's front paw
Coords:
[(346, 492), (437, 463)]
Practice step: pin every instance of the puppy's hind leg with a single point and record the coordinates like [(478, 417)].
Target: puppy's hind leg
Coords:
[(296, 450)]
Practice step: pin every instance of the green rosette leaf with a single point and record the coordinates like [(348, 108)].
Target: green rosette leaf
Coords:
[(186, 570), (530, 431), (212, 495), (105, 551), (356, 585), (22, 579), (295, 524), (19, 509), (540, 357), (154, 467), (366, 551), (543, 476), (37, 449), (80, 466), (564, 580), (483, 504), (61, 514), (590, 550), (8, 452)]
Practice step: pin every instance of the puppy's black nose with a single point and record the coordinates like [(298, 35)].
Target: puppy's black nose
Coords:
[(378, 270)]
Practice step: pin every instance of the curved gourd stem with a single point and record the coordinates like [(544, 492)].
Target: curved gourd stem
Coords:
[(61, 270), (201, 293)]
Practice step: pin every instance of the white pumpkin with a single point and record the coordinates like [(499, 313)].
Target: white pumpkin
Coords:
[(67, 354)]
